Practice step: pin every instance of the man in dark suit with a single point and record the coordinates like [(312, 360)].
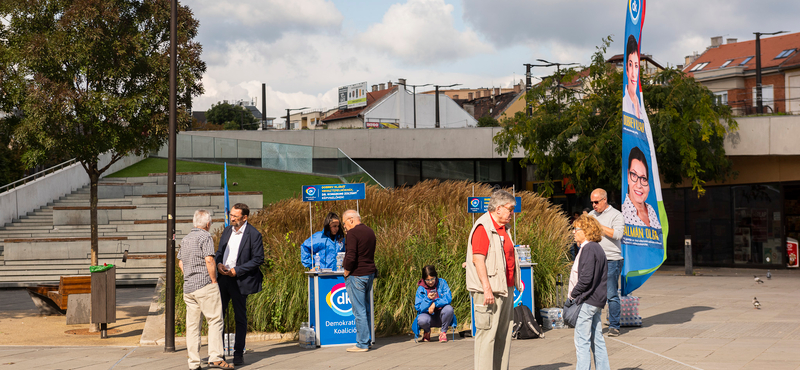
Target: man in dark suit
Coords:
[(239, 258)]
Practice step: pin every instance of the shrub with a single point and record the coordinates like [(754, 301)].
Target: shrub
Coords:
[(415, 226)]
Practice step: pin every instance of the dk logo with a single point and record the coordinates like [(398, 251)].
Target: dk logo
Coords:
[(339, 301)]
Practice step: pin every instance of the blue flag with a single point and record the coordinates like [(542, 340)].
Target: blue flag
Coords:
[(227, 198), (644, 242)]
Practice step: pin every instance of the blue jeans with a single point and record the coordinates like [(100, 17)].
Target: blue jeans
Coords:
[(612, 284), (358, 289), (589, 335)]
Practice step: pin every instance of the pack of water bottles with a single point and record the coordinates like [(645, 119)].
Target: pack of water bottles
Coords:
[(552, 318), (629, 311), (524, 253)]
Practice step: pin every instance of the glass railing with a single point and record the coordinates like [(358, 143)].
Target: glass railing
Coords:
[(274, 156)]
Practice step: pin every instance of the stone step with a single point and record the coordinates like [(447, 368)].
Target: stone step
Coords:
[(122, 279)]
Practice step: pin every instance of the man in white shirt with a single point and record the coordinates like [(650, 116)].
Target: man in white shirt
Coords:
[(239, 258), (612, 225)]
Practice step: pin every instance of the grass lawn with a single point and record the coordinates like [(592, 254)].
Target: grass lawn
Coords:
[(273, 184)]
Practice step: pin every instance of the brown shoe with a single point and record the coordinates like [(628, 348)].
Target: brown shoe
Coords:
[(426, 337), (220, 365)]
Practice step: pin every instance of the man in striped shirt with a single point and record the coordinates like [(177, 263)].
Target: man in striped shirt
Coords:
[(201, 292)]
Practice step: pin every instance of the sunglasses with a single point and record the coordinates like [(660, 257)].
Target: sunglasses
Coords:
[(598, 201)]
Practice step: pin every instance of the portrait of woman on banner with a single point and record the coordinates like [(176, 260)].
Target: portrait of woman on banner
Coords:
[(635, 209), (631, 102)]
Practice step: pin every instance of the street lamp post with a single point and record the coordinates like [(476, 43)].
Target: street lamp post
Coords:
[(169, 309), (528, 84), (437, 101), (414, 91), (288, 111), (759, 102), (558, 73)]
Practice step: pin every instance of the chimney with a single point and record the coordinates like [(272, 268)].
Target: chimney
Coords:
[(477, 94), (496, 91), (732, 41), (381, 87), (716, 41), (679, 66), (517, 88), (389, 84), (470, 96), (374, 88), (401, 81), (487, 92)]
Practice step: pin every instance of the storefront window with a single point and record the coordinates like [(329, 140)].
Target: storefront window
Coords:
[(407, 173), (448, 170)]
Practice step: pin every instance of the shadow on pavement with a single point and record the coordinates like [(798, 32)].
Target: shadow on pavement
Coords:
[(679, 316), (556, 366)]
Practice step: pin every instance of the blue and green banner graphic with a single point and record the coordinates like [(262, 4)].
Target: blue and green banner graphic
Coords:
[(645, 238)]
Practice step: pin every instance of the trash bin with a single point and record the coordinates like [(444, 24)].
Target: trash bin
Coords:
[(104, 296)]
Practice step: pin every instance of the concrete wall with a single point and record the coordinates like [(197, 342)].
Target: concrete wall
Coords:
[(765, 135), (452, 143), (29, 197)]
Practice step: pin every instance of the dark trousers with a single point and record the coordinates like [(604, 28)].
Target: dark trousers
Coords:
[(229, 290)]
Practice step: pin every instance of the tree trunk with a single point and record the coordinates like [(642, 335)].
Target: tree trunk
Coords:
[(94, 177)]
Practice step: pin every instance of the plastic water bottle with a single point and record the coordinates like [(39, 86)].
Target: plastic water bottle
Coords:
[(316, 262), (340, 261)]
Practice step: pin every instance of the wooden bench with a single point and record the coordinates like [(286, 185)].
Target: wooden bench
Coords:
[(58, 295)]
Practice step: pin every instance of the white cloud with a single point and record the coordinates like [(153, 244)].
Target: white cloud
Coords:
[(422, 32)]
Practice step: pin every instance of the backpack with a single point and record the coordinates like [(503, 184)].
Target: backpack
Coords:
[(525, 325)]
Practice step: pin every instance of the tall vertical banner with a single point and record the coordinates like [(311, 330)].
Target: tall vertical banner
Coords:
[(644, 242), (227, 198)]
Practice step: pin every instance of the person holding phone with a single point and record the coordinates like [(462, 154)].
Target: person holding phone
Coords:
[(433, 304)]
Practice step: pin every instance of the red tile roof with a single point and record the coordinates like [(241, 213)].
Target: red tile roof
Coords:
[(739, 51), (372, 97)]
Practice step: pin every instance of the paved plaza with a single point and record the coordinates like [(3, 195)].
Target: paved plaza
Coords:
[(705, 321)]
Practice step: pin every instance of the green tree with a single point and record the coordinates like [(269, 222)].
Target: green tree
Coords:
[(232, 117), (578, 133), (92, 77), (488, 121)]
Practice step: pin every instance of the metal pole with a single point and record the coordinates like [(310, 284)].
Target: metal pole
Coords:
[(688, 255), (415, 105), (169, 309), (287, 119), (514, 194), (311, 228), (759, 102), (528, 87), (473, 194), (437, 106), (263, 106)]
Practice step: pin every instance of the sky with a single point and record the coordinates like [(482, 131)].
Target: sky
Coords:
[(304, 50)]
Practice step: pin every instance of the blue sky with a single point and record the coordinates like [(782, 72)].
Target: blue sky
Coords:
[(305, 49)]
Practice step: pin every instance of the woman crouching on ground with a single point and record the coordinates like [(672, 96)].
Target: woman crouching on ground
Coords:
[(433, 304)]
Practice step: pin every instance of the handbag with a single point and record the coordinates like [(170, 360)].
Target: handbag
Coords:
[(571, 311)]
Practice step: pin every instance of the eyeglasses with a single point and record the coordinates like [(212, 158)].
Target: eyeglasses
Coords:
[(598, 201), (431, 279), (510, 209), (642, 180), (575, 230)]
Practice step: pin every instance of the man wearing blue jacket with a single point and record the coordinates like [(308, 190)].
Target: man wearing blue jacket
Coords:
[(433, 304), (239, 258), (326, 243)]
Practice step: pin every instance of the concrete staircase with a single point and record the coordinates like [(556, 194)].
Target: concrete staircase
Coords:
[(54, 240)]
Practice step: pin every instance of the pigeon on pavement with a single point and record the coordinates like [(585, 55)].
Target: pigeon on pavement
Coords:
[(758, 279), (756, 304), (769, 275)]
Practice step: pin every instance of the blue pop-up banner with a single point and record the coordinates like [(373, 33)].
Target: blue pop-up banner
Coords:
[(479, 204), (321, 193)]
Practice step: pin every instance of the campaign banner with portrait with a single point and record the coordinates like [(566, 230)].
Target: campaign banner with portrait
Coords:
[(645, 238)]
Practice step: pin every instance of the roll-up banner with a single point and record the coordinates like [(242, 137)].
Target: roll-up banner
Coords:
[(645, 238)]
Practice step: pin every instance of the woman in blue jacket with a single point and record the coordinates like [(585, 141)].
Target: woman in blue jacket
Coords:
[(327, 243), (433, 304)]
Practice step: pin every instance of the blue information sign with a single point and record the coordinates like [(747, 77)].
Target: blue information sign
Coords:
[(321, 193), (479, 204)]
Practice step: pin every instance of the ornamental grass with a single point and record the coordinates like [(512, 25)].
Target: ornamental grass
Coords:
[(415, 226)]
